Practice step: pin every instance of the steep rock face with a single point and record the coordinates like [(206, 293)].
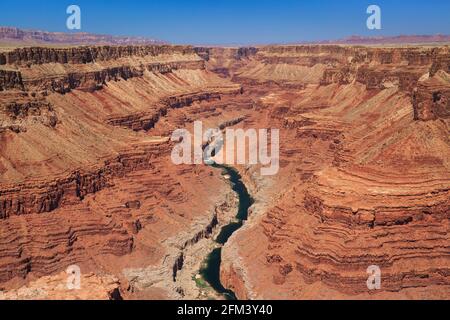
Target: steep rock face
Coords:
[(441, 63), (33, 69), (148, 120), (344, 75), (377, 68), (77, 186), (377, 78), (382, 68), (46, 196), (431, 99), (18, 111), (104, 230), (94, 80), (246, 52), (363, 184), (10, 80), (83, 55)]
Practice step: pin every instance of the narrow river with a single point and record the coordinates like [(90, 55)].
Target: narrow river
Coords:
[(211, 269)]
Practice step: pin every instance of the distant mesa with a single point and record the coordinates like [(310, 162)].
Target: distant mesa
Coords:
[(18, 36), (402, 39)]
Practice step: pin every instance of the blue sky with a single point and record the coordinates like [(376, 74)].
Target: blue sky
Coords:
[(232, 21)]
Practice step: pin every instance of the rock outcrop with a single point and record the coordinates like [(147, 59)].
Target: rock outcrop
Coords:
[(10, 80), (431, 99), (92, 287)]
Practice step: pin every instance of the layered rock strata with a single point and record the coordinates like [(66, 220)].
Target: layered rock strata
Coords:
[(78, 187), (86, 175), (362, 182)]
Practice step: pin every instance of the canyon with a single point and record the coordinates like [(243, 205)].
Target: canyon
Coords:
[(86, 176)]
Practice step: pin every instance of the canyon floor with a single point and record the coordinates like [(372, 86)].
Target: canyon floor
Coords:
[(87, 177)]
